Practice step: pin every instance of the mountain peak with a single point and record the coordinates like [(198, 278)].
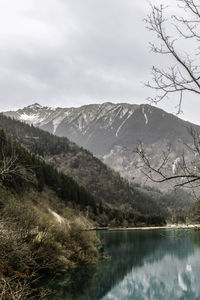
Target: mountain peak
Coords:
[(34, 105)]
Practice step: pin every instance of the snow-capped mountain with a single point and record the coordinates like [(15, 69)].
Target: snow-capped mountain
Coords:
[(83, 125), (112, 131)]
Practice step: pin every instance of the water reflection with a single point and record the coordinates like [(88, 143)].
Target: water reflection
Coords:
[(142, 265)]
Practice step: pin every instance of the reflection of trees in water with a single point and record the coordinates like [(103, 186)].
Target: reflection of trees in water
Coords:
[(174, 243), (127, 249), (132, 249), (195, 238), (72, 286)]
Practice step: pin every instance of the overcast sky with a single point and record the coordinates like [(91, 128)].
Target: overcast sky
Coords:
[(74, 52)]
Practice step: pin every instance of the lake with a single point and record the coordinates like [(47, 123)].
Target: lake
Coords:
[(152, 264)]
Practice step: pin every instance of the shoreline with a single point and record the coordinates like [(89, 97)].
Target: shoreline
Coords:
[(172, 226), (183, 226)]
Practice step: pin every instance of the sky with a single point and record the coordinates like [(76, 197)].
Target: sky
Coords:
[(75, 52)]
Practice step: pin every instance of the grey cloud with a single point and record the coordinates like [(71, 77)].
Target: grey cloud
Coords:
[(65, 53)]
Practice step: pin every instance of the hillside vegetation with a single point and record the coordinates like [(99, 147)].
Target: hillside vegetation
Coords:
[(42, 228), (106, 186)]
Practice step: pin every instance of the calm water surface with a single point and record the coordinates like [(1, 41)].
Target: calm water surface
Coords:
[(159, 264)]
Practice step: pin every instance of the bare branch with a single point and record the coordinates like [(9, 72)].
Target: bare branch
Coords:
[(10, 166), (184, 76), (183, 171)]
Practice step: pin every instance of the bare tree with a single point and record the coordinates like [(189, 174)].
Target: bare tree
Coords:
[(175, 33), (10, 166), (184, 170), (184, 75)]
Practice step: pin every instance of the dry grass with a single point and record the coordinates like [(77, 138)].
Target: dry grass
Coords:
[(38, 234)]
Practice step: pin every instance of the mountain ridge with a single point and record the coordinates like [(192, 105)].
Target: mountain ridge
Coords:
[(106, 115), (111, 131)]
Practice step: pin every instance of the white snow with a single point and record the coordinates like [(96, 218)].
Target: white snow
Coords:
[(33, 118), (39, 115), (52, 108), (145, 116), (175, 165), (80, 124), (56, 122), (123, 112), (122, 124)]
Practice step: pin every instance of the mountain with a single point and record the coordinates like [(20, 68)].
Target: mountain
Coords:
[(117, 202), (95, 127), (111, 132)]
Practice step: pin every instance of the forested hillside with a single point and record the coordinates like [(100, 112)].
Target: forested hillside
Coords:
[(42, 222), (106, 186), (21, 169)]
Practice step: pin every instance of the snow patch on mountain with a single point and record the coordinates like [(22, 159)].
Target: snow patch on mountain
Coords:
[(107, 115), (145, 116), (176, 165), (33, 119), (122, 124), (56, 122)]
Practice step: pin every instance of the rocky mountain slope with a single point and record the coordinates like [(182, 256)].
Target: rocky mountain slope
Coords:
[(111, 132)]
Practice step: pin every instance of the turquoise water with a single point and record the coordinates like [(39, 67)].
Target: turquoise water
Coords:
[(142, 265)]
